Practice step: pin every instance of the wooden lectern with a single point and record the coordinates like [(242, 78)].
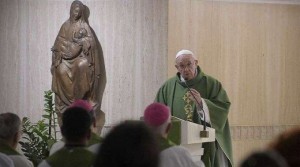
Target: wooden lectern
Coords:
[(187, 134)]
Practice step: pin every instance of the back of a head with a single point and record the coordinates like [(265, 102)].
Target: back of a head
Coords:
[(157, 116), (85, 105), (129, 144), (264, 159), (288, 145), (10, 124), (76, 123)]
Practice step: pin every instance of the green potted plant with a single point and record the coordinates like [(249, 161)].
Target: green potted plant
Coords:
[(38, 137)]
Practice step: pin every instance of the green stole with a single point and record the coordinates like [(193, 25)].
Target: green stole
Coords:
[(173, 93), (6, 149), (71, 157), (95, 139), (165, 143)]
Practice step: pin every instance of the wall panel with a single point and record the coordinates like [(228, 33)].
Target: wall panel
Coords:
[(253, 49), (133, 35)]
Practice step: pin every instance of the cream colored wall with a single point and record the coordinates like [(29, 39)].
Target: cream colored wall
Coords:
[(133, 35), (253, 49)]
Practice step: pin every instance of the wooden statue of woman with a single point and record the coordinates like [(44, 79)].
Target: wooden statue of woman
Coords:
[(77, 68)]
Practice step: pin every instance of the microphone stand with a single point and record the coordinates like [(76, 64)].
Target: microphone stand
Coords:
[(204, 133)]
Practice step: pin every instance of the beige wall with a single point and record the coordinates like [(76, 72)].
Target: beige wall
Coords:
[(253, 49), (133, 35)]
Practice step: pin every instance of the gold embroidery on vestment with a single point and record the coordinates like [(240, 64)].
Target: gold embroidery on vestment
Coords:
[(188, 108)]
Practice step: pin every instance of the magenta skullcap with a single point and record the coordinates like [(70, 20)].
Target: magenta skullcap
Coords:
[(82, 104), (156, 114)]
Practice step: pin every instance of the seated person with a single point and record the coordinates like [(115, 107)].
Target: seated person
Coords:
[(287, 144), (268, 158), (10, 133), (158, 117), (5, 161), (129, 144), (76, 123), (95, 140)]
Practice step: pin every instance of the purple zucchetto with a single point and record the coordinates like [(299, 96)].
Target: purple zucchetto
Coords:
[(156, 114), (82, 104)]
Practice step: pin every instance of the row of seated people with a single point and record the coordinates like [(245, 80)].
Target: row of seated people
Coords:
[(129, 144), (283, 151)]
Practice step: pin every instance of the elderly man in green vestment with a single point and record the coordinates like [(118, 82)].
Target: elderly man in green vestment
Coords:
[(207, 95)]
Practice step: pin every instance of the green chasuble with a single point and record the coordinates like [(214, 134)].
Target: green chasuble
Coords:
[(165, 143), (71, 157), (95, 139), (6, 149), (174, 94)]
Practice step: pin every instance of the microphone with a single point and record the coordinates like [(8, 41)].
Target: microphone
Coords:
[(203, 133)]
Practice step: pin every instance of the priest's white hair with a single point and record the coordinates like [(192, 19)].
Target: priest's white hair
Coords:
[(185, 52)]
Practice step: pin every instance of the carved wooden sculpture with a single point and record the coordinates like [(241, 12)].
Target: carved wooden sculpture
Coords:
[(77, 68)]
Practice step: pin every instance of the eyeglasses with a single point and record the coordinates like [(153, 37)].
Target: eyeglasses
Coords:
[(188, 66)]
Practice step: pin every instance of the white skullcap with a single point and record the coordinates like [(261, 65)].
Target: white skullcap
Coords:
[(185, 52)]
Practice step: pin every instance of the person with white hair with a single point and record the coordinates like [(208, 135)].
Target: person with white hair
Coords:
[(10, 134), (193, 95), (157, 116)]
